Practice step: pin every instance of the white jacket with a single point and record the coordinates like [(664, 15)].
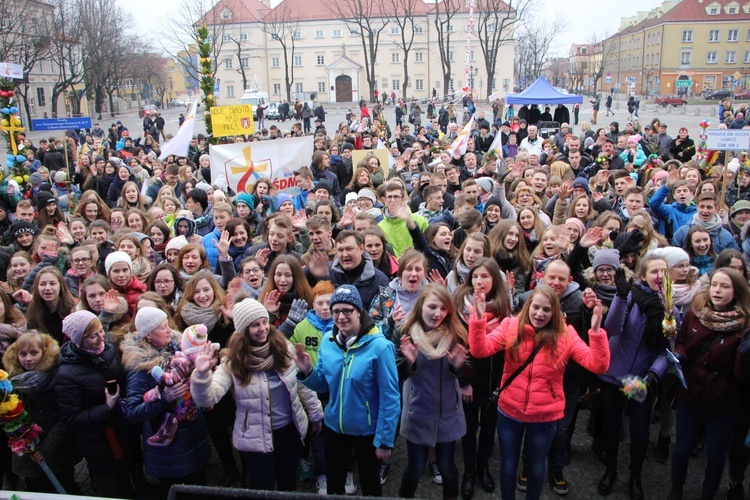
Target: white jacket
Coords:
[(253, 429)]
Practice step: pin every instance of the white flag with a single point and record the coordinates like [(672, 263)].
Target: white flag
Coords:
[(462, 141), (497, 145), (180, 143)]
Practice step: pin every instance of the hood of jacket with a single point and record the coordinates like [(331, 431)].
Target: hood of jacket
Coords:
[(570, 289), (140, 355), (405, 298), (368, 271)]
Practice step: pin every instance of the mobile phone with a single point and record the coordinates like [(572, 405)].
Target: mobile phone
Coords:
[(112, 387)]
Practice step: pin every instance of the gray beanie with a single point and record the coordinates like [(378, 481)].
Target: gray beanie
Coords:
[(246, 312), (607, 257), (147, 320)]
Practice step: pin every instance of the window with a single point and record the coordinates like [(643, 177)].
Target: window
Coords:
[(419, 29), (226, 14), (490, 27), (419, 56), (685, 57), (298, 60), (395, 57), (732, 10), (711, 58), (228, 63), (747, 38), (243, 37), (733, 35), (321, 87), (731, 57), (230, 90), (275, 62), (471, 55), (450, 84), (226, 38), (450, 56), (494, 84), (687, 36), (714, 11), (171, 68), (419, 84), (396, 84), (385, 83), (245, 62), (451, 28), (277, 88), (319, 34), (713, 36), (395, 30), (747, 57), (297, 35), (336, 33), (299, 87), (320, 60)]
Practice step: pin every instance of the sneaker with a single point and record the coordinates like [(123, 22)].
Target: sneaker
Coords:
[(522, 480), (735, 491), (306, 472), (350, 487), (322, 485), (437, 478), (385, 468), (558, 483)]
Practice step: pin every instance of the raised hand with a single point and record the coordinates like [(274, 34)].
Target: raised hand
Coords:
[(673, 176), (565, 191), (591, 237), (318, 265), (204, 361), (51, 250), (298, 311), (510, 280), (597, 196), (262, 256), (408, 349), (272, 301), (457, 356), (623, 284), (111, 300), (299, 219), (404, 213), (398, 314), (223, 244), (435, 277), (589, 298), (348, 218), (302, 359), (596, 316)]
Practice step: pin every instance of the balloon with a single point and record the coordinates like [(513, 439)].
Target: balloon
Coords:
[(10, 93), (10, 164), (11, 157), (17, 121), (14, 110), (20, 158), (4, 122), (5, 111)]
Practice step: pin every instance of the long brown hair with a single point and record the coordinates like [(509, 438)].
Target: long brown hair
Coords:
[(548, 335), (219, 296), (497, 238), (65, 305), (238, 349), (300, 284), (452, 322), (12, 316), (125, 204), (741, 294), (498, 297)]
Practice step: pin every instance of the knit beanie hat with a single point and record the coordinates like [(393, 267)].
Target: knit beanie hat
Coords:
[(347, 294), (74, 325), (246, 312), (194, 336), (493, 200), (203, 186), (98, 158), (20, 227), (35, 178), (245, 198), (147, 320), (607, 257), (578, 224), (673, 255), (322, 185), (60, 176), (485, 183), (44, 198), (369, 194), (581, 182), (115, 257), (175, 243), (282, 198)]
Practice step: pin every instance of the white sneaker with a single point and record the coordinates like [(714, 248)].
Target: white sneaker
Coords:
[(322, 485), (350, 488)]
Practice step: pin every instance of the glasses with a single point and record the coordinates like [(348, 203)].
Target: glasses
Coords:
[(393, 197), (605, 270), (81, 260), (163, 282), (346, 312), (252, 270)]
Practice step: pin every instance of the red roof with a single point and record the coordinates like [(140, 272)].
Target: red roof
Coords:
[(688, 11), (243, 11)]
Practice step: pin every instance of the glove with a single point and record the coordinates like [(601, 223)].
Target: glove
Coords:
[(652, 381), (297, 313), (623, 284), (631, 242)]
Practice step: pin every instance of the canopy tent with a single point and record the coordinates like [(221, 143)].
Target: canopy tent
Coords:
[(541, 92)]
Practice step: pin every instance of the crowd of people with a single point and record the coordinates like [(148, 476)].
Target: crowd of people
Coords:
[(151, 318)]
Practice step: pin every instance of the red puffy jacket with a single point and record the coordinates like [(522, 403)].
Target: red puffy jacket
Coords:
[(536, 395), (132, 293)]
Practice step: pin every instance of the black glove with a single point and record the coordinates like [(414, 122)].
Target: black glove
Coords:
[(623, 284), (652, 382), (631, 242), (630, 157)]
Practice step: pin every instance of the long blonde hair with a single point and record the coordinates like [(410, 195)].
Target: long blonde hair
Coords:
[(451, 322), (549, 334)]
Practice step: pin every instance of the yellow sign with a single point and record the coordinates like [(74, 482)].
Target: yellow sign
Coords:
[(381, 154), (232, 120)]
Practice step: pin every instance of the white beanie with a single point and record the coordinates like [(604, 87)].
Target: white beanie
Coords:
[(147, 320), (176, 243), (115, 257), (203, 186), (246, 312), (673, 255)]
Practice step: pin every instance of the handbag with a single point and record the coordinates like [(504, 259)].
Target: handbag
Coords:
[(495, 396)]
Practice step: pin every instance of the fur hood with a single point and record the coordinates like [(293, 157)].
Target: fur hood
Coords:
[(49, 360), (140, 355), (590, 276), (122, 308)]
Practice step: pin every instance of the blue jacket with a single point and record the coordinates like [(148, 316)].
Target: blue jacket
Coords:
[(675, 214), (639, 157), (625, 325), (209, 244), (363, 382), (300, 200), (721, 238)]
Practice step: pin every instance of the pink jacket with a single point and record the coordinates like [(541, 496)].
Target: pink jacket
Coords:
[(536, 395)]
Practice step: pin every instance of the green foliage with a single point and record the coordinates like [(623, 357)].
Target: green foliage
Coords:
[(207, 79)]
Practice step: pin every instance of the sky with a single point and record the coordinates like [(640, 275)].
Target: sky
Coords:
[(584, 17)]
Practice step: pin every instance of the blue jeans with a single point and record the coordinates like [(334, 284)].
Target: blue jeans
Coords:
[(444, 453), (718, 428), (558, 454), (510, 434)]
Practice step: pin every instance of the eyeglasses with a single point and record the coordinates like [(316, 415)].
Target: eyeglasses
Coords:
[(252, 270), (393, 197), (605, 270), (346, 312), (82, 260), (163, 282)]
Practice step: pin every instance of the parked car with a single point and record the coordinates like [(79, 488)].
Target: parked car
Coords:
[(147, 109), (272, 111), (177, 103), (745, 94), (669, 100), (718, 94)]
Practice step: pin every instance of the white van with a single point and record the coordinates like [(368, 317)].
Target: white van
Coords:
[(254, 97)]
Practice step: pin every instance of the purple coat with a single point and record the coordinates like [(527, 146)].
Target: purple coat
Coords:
[(629, 355)]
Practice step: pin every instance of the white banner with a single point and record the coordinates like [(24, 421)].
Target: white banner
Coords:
[(732, 140), (11, 70), (243, 163)]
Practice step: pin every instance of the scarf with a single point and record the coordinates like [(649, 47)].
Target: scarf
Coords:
[(684, 293), (259, 358), (194, 315), (540, 265), (713, 225), (704, 263), (462, 271), (650, 304), (434, 344), (605, 293), (727, 321), (237, 252)]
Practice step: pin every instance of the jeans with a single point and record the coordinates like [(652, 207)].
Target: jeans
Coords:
[(265, 470), (613, 404), (718, 428), (482, 417), (558, 453), (539, 436), (417, 462), (338, 450)]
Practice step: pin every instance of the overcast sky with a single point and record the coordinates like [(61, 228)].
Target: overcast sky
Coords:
[(583, 16)]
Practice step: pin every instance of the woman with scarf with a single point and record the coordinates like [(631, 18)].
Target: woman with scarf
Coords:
[(484, 376), (160, 234), (272, 407), (240, 233), (179, 458), (380, 251), (475, 246), (714, 357), (123, 175), (509, 251), (168, 283), (437, 244), (638, 348), (106, 178), (204, 302), (700, 248), (431, 357), (286, 282), (532, 227), (551, 246)]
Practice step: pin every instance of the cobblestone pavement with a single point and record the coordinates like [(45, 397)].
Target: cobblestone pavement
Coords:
[(583, 473)]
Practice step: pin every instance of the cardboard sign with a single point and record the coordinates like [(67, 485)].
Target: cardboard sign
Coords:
[(728, 140), (232, 120)]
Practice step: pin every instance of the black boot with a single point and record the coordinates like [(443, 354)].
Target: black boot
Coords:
[(662, 449), (607, 482), (485, 479), (467, 486), (636, 489)]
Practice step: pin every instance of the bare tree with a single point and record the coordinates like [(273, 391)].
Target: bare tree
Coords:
[(534, 41), (244, 52), (496, 25), (443, 14), (282, 24), (577, 74), (402, 13), (604, 53), (364, 18), (67, 54)]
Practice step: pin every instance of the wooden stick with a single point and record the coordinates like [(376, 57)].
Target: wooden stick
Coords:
[(723, 200)]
